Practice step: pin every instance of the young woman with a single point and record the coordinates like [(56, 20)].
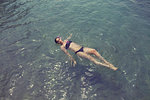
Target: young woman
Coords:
[(84, 52)]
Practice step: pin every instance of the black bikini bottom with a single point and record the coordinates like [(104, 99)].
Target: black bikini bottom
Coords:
[(80, 50)]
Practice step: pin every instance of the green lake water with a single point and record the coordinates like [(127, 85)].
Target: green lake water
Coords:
[(32, 66)]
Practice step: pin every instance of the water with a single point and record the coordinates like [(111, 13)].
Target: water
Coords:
[(32, 67)]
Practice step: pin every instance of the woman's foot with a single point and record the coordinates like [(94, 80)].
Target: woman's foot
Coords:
[(113, 67)]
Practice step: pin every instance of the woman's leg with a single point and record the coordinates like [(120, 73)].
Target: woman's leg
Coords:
[(93, 51), (84, 55)]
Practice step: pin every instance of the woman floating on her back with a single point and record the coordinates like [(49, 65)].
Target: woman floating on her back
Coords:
[(82, 52)]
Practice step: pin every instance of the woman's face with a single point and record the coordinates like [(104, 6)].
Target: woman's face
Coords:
[(58, 40)]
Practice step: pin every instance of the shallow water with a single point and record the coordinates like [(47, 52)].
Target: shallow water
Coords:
[(32, 66)]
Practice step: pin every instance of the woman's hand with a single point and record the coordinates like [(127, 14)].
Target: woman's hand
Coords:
[(73, 62)]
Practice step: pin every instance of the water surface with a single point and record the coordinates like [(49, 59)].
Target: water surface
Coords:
[(32, 66)]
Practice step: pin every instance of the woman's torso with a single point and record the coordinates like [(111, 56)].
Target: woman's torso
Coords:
[(73, 46)]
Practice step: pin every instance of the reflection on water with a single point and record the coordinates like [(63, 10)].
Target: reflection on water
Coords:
[(34, 68)]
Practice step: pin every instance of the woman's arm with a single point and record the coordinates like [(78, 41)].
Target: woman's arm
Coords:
[(69, 37), (67, 53)]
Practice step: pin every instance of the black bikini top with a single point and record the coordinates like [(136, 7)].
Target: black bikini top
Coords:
[(68, 44)]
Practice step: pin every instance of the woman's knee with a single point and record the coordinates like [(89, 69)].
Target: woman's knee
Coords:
[(93, 51)]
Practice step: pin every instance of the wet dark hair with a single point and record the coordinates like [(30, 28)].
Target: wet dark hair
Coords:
[(56, 40)]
